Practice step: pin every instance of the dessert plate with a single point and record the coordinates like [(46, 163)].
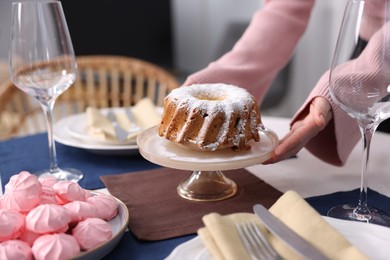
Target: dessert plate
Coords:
[(70, 131), (79, 130), (371, 239), (61, 135), (118, 226)]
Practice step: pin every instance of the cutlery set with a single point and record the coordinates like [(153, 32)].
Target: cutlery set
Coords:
[(120, 133), (256, 243), (259, 248)]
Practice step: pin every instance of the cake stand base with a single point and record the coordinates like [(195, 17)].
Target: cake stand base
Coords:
[(207, 186), (207, 182)]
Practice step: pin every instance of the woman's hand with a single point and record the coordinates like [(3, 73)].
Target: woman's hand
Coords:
[(188, 82), (308, 125)]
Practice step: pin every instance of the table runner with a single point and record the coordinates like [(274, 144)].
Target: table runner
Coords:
[(157, 212)]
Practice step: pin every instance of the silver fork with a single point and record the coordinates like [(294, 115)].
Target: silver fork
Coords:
[(255, 242)]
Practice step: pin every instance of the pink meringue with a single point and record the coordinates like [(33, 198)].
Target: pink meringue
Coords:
[(68, 191), (106, 206), (15, 250), (55, 246), (92, 232), (80, 210), (29, 236), (47, 198), (47, 191), (48, 218), (11, 224), (22, 192), (48, 181)]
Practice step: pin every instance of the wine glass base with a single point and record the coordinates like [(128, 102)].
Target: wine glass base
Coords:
[(348, 212), (207, 186), (67, 174)]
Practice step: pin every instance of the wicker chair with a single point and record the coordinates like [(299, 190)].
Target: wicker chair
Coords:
[(103, 81)]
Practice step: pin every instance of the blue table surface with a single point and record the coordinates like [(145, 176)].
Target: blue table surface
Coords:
[(31, 154)]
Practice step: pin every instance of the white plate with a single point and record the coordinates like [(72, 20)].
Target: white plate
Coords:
[(62, 135), (70, 131), (372, 240), (193, 249), (118, 226), (79, 130)]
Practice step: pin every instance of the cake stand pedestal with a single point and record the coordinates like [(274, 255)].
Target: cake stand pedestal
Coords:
[(207, 186), (207, 182)]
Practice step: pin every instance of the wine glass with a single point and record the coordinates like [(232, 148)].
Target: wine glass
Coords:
[(360, 85), (43, 64)]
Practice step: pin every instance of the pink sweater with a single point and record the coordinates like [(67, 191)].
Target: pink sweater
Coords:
[(266, 47)]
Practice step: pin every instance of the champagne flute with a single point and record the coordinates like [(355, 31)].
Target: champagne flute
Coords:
[(360, 85), (43, 64)]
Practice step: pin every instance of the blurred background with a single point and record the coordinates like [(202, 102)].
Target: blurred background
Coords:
[(184, 36)]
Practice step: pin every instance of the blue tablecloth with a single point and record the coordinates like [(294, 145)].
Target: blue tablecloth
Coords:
[(31, 154), (323, 203)]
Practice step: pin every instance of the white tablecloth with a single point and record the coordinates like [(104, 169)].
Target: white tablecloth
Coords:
[(310, 176)]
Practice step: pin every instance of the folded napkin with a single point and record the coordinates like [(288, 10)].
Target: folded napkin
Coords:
[(101, 128), (222, 239)]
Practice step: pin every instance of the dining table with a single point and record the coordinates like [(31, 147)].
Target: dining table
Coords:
[(321, 184)]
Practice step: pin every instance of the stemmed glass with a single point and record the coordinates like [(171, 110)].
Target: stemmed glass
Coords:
[(360, 85), (43, 64)]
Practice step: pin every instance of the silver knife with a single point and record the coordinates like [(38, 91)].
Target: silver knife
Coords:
[(132, 119), (121, 134), (283, 232)]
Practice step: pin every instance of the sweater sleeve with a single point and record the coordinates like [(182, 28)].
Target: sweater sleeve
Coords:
[(264, 48), (335, 143)]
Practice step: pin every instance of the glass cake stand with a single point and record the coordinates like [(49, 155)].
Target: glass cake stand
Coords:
[(207, 182)]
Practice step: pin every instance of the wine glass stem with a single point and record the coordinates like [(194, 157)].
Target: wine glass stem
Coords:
[(48, 111), (367, 133)]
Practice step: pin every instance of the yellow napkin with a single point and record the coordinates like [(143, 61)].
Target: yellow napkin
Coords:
[(101, 128), (222, 239)]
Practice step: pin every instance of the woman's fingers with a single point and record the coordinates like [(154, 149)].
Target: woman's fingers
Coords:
[(303, 130)]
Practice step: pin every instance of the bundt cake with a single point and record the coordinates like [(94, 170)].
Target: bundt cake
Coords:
[(211, 117)]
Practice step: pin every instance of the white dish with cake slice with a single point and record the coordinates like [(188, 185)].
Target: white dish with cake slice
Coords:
[(71, 131)]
